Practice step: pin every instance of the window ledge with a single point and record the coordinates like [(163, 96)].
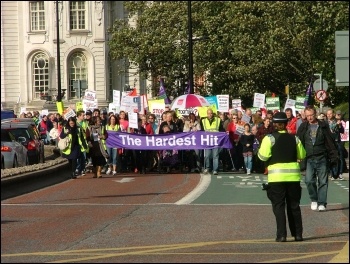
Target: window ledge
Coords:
[(42, 32), (61, 41), (79, 31)]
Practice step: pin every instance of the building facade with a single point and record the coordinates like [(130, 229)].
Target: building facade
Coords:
[(29, 53)]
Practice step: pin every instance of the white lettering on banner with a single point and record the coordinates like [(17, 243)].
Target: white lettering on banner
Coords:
[(173, 141)]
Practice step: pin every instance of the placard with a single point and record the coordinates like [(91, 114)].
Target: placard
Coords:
[(273, 103), (259, 100)]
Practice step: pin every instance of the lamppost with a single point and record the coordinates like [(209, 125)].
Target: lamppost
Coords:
[(190, 48), (59, 98)]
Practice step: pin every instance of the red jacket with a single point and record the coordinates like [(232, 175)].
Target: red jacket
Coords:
[(42, 127), (292, 125)]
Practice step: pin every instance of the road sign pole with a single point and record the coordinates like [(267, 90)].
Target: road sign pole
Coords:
[(321, 85)]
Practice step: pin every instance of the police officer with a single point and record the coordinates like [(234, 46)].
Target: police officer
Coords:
[(282, 151)]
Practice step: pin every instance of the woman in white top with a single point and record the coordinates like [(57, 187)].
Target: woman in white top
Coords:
[(192, 124), (54, 134)]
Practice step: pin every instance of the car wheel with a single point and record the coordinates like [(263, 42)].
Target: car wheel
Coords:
[(15, 163), (27, 161)]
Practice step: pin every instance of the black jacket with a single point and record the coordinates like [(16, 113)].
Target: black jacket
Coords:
[(330, 147)]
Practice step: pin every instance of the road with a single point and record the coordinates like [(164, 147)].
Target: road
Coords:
[(156, 218)]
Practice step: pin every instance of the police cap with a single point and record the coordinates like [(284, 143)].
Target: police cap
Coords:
[(280, 117)]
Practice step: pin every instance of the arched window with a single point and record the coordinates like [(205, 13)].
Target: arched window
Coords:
[(40, 72), (77, 75)]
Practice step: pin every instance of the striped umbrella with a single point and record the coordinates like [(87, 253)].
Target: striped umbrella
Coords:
[(188, 101)]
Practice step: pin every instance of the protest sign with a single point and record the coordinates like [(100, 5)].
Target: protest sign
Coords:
[(212, 100), (223, 102), (236, 103), (156, 107), (133, 120), (259, 100), (116, 97), (273, 103), (68, 112), (299, 103)]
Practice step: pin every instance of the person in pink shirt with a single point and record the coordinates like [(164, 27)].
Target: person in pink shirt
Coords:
[(123, 121)]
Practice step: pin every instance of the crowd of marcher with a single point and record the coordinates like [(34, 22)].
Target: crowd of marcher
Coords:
[(92, 127)]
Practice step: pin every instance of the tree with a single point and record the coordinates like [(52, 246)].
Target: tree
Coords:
[(248, 46)]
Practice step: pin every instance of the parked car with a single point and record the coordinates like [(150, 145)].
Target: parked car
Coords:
[(25, 127), (13, 153), (2, 161), (7, 114)]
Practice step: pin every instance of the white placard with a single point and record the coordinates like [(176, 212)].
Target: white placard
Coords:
[(113, 108), (131, 104), (236, 103), (239, 130), (44, 112), (290, 103), (259, 100), (23, 110), (116, 97), (90, 96), (133, 123), (245, 118), (223, 102), (89, 105), (68, 112)]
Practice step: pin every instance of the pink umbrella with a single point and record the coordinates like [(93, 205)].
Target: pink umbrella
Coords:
[(189, 100)]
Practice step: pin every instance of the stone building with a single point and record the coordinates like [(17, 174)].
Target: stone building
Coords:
[(29, 53)]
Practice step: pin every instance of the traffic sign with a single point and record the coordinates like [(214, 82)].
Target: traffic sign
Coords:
[(321, 95), (317, 85)]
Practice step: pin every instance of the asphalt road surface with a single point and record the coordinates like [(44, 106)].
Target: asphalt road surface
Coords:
[(166, 218)]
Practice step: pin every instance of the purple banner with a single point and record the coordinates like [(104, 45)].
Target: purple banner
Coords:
[(184, 140)]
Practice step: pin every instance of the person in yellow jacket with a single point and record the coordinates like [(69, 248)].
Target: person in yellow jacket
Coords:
[(211, 123), (282, 151), (77, 144)]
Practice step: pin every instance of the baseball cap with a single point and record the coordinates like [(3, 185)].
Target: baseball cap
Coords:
[(338, 112), (280, 117)]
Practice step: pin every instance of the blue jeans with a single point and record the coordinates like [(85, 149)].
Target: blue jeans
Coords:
[(248, 162), (316, 179), (211, 154), (113, 155), (81, 162)]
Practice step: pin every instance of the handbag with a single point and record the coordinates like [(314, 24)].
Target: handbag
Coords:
[(63, 143)]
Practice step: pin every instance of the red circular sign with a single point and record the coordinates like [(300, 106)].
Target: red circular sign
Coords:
[(321, 95)]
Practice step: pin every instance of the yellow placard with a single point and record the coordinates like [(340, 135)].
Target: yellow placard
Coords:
[(79, 106), (202, 111), (60, 107)]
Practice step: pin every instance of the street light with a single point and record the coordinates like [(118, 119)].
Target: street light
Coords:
[(190, 48), (59, 97)]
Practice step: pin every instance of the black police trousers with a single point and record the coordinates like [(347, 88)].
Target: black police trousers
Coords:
[(282, 195)]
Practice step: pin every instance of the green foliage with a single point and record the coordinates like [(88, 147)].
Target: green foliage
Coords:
[(344, 108), (245, 46)]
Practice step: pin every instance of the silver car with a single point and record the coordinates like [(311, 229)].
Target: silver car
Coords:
[(13, 153)]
